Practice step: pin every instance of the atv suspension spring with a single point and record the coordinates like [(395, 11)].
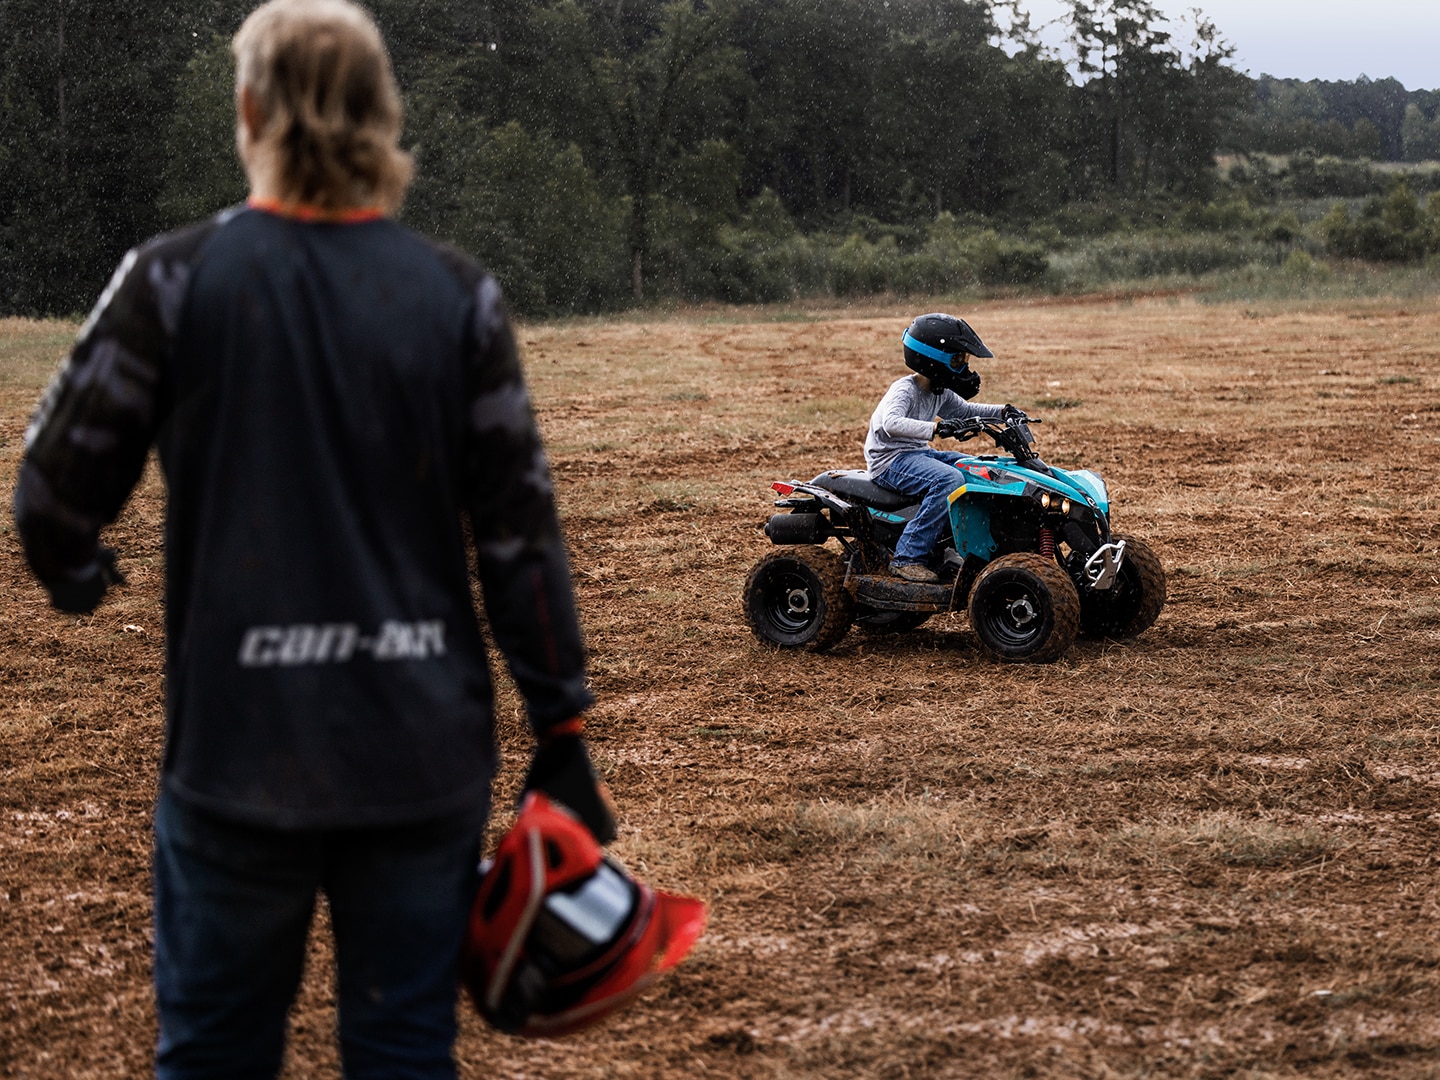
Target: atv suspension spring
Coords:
[(1047, 543)]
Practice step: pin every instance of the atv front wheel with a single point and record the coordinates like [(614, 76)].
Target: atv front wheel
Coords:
[(1132, 604), (796, 598), (1024, 607)]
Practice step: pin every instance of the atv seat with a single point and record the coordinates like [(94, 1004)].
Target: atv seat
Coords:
[(856, 484)]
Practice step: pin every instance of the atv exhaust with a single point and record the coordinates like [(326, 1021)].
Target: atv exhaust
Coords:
[(796, 528), (1103, 567)]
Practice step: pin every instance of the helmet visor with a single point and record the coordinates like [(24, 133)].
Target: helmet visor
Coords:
[(955, 361)]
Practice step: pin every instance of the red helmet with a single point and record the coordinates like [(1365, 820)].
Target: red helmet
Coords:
[(560, 936)]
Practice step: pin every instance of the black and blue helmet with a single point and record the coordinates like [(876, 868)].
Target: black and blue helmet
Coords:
[(938, 346)]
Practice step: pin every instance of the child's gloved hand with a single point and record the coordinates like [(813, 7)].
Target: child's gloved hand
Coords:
[(954, 429)]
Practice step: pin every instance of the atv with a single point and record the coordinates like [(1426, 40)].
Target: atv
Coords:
[(1028, 554)]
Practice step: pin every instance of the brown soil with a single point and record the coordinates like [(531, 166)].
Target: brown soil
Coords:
[(1206, 852)]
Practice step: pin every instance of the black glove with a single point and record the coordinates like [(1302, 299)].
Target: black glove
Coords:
[(79, 592), (953, 429), (965, 382), (561, 769), (1010, 412)]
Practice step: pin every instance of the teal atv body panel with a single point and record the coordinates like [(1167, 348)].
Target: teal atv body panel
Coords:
[(990, 478)]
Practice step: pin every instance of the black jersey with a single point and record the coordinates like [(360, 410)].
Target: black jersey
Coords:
[(329, 401)]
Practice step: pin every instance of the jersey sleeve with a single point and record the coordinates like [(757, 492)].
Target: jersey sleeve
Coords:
[(954, 407), (894, 417), (87, 442), (523, 567)]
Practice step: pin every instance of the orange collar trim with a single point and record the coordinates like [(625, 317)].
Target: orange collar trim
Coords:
[(310, 213)]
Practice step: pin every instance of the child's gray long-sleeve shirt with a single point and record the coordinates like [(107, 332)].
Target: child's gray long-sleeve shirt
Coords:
[(904, 421)]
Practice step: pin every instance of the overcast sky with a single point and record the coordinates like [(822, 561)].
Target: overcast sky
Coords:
[(1313, 39)]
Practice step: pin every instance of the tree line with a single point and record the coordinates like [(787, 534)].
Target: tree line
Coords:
[(599, 152), (1366, 118)]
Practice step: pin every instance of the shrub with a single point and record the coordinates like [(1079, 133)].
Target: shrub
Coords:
[(1155, 254), (1087, 219), (1014, 262), (764, 257), (968, 255), (1281, 228), (1299, 264), (1389, 229), (1311, 177), (1229, 216), (860, 267)]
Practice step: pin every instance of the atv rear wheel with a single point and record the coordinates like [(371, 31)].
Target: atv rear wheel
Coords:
[(1132, 604), (1024, 607), (877, 621), (796, 598)]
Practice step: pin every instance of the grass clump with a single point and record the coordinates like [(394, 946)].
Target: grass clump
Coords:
[(1224, 837)]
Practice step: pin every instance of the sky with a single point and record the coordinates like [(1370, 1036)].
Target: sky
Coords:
[(1312, 39)]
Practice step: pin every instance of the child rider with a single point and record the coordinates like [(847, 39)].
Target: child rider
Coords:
[(897, 448)]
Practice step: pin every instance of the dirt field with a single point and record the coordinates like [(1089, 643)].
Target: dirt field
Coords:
[(1207, 852)]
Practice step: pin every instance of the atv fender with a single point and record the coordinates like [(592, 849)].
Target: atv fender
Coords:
[(970, 517)]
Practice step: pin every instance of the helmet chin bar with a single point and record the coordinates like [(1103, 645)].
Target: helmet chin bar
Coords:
[(946, 379)]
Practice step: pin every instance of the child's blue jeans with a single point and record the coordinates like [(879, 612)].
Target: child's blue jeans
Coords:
[(233, 904), (931, 474)]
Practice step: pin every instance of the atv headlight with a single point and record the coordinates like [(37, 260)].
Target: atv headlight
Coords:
[(1064, 506), (1045, 499)]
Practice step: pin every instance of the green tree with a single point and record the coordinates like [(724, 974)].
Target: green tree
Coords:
[(807, 133), (201, 172), (1129, 61), (1420, 137), (935, 112), (526, 206), (1162, 109), (80, 85), (657, 84)]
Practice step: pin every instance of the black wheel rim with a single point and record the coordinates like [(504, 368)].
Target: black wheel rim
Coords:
[(790, 600), (1015, 613)]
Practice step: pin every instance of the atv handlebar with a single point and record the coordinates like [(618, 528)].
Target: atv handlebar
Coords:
[(997, 427), (1011, 432)]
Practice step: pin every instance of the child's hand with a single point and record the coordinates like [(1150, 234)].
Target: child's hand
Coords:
[(955, 429)]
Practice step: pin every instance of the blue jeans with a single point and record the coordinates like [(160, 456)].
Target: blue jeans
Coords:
[(233, 904), (931, 474)]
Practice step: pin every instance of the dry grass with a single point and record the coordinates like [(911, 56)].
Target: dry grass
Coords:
[(1204, 853)]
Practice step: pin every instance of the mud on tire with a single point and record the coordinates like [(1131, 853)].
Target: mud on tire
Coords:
[(1024, 607), (1133, 603), (796, 598)]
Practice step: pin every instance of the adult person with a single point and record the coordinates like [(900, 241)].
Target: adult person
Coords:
[(915, 409), (331, 395)]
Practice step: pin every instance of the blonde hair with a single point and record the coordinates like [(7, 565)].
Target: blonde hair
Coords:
[(319, 72)]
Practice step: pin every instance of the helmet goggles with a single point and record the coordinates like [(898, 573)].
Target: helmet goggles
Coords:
[(949, 359), (561, 936)]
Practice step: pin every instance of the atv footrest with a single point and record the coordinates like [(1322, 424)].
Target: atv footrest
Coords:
[(896, 594)]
